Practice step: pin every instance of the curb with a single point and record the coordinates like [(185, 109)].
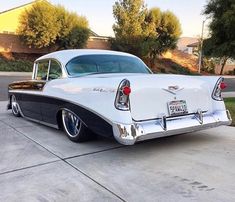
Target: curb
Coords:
[(28, 74), (228, 94), (229, 77)]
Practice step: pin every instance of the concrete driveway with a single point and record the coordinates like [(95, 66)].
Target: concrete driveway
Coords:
[(38, 163)]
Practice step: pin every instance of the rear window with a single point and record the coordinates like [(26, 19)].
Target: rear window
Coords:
[(88, 64)]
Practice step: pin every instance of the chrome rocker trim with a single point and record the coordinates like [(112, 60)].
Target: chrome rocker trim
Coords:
[(129, 134)]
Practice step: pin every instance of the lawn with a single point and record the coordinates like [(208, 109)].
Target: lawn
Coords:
[(230, 104)]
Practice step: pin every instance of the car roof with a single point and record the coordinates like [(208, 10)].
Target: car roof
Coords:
[(64, 56)]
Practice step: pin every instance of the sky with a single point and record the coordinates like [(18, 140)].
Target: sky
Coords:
[(100, 17)]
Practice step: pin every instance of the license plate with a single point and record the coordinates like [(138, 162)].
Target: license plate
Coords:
[(177, 107)]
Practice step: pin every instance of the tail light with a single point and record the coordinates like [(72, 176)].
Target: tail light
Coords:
[(223, 85), (220, 85), (122, 97)]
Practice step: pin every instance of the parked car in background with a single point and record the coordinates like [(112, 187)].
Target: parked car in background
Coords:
[(114, 94)]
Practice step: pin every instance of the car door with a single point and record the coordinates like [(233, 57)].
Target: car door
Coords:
[(50, 105), (30, 101)]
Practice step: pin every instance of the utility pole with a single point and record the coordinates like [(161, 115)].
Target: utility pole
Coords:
[(201, 48)]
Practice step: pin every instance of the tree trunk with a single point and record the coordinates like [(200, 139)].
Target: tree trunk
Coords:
[(152, 61), (224, 60)]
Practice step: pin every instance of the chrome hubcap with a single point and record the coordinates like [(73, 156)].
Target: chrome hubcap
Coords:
[(72, 123), (14, 105)]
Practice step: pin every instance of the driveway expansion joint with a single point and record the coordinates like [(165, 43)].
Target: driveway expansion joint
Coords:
[(69, 164), (28, 167)]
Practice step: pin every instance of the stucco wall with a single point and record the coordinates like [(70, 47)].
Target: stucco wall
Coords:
[(227, 68), (9, 20)]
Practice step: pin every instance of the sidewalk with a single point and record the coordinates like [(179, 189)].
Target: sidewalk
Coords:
[(15, 73)]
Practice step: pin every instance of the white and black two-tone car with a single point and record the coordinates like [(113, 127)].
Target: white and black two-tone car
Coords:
[(114, 94)]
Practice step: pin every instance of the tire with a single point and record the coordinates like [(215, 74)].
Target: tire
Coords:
[(74, 128), (15, 107)]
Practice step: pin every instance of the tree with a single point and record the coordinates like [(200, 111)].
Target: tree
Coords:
[(37, 25), (130, 27), (74, 30), (221, 43), (167, 30), (76, 38), (44, 25), (143, 32)]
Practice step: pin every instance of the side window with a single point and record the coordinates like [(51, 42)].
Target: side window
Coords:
[(55, 71), (42, 70)]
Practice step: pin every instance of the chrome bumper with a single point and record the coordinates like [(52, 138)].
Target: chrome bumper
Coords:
[(139, 131)]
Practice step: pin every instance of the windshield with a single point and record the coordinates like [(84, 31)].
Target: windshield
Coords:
[(88, 64)]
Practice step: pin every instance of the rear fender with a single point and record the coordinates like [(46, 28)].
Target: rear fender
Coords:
[(212, 81)]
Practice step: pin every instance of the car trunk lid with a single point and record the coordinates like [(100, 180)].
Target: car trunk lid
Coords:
[(154, 96)]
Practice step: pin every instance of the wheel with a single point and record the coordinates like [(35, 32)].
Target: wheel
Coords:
[(75, 128), (15, 107)]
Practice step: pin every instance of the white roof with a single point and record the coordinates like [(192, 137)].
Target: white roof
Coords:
[(65, 56)]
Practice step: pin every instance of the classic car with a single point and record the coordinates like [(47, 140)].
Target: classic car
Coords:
[(114, 94)]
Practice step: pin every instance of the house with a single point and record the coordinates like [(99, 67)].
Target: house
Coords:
[(183, 43), (193, 48), (10, 42)]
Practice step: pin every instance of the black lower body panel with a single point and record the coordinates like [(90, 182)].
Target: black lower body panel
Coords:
[(47, 109)]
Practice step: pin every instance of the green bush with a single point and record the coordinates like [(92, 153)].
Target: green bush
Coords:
[(16, 65), (209, 65), (180, 69), (162, 70)]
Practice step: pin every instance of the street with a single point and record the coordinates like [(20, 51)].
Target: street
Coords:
[(5, 80), (231, 84)]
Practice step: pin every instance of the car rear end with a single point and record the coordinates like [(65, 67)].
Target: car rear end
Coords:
[(163, 105)]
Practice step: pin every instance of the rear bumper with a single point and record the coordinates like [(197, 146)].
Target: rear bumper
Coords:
[(139, 131)]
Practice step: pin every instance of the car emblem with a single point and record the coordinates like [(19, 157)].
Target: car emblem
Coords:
[(173, 89)]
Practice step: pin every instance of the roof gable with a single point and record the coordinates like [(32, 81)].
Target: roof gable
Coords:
[(24, 5)]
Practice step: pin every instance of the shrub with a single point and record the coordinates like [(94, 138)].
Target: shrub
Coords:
[(16, 65)]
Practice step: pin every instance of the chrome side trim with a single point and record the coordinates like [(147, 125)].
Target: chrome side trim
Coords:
[(41, 122)]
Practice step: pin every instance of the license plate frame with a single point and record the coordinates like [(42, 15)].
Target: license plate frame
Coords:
[(177, 107)]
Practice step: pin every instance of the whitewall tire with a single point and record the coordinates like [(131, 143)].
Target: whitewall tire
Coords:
[(15, 106)]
